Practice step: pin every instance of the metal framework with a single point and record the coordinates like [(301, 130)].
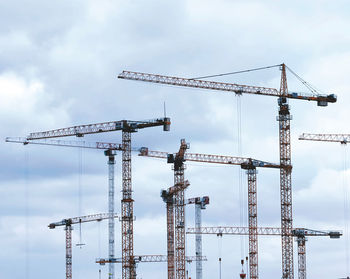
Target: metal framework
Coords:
[(284, 137), (246, 163), (68, 228), (222, 86), (253, 223), (180, 231), (150, 259), (200, 204), (129, 268), (284, 118), (299, 233), (82, 130), (342, 138), (110, 152), (111, 233), (127, 127), (168, 197)]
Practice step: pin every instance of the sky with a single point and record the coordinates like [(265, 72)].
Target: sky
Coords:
[(59, 62)]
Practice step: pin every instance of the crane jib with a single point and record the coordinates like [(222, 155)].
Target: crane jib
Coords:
[(322, 100)]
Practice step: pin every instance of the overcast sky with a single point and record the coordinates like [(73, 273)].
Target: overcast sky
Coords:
[(59, 62)]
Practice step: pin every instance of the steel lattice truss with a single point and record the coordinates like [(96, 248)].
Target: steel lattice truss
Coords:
[(263, 231), (83, 219), (253, 223), (221, 86), (68, 230), (342, 138), (168, 197), (150, 259), (127, 210), (209, 158), (81, 130)]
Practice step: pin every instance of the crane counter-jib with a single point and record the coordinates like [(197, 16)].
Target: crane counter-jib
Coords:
[(322, 100)]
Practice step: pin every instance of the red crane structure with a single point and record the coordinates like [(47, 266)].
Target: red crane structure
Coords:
[(127, 213), (283, 118), (169, 197), (68, 228), (246, 163), (299, 233)]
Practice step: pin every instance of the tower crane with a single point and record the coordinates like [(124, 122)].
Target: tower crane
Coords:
[(150, 259), (200, 204), (68, 228), (170, 200), (110, 151), (127, 210), (342, 138), (246, 163), (283, 118), (299, 233)]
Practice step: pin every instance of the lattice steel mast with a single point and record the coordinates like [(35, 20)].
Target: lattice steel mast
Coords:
[(284, 137), (200, 204), (168, 197)]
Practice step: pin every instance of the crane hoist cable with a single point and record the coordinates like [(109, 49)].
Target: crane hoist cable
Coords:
[(241, 199), (80, 174), (346, 208), (26, 209)]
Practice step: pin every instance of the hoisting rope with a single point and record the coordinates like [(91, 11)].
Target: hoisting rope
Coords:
[(80, 173), (26, 209), (346, 208), (241, 196)]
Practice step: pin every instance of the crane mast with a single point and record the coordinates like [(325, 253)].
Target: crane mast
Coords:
[(284, 118), (200, 204), (168, 197), (180, 232)]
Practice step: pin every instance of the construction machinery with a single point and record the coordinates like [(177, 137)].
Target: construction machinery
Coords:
[(168, 197), (68, 228), (200, 204), (127, 212), (299, 233), (150, 259), (283, 118), (341, 138), (109, 151), (248, 164)]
